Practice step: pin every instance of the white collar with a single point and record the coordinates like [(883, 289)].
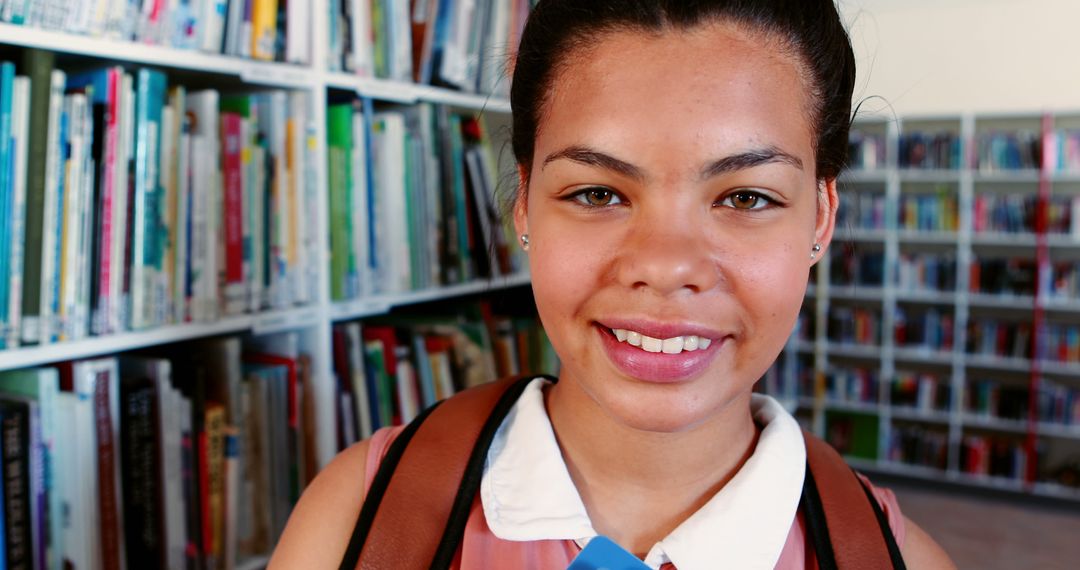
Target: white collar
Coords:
[(527, 493)]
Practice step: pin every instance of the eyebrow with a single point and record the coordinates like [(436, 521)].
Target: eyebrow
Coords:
[(732, 163)]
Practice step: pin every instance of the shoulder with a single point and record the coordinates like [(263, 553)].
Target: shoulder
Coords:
[(322, 522), (918, 548)]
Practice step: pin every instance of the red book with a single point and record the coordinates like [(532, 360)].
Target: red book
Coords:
[(232, 163), (108, 197)]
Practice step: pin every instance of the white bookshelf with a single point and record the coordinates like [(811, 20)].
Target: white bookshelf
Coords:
[(954, 367)]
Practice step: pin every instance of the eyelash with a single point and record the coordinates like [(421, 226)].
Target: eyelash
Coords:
[(581, 198)]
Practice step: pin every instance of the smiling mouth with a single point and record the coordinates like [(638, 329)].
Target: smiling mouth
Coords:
[(673, 345)]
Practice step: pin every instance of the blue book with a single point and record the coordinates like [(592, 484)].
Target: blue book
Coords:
[(7, 163), (149, 228)]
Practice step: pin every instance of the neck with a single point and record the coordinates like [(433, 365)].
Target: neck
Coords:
[(638, 485)]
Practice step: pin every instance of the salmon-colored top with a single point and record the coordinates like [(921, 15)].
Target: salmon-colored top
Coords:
[(481, 549)]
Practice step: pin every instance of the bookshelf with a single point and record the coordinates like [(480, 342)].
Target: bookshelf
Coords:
[(943, 321), (311, 58)]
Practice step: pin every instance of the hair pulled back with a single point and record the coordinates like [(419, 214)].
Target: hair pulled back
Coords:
[(558, 30)]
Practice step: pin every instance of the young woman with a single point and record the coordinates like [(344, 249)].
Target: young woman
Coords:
[(678, 163)]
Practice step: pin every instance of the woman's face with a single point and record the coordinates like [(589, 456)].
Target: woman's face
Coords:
[(673, 204)]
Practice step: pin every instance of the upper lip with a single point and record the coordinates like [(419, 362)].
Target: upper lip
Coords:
[(662, 329)]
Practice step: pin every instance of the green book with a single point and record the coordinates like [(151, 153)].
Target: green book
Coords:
[(339, 171), (38, 65)]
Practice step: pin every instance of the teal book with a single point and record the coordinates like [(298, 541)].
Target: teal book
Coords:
[(148, 232), (7, 192)]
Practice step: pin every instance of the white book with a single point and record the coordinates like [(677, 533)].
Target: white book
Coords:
[(1076, 217), (75, 108), (233, 32), (50, 235), (494, 77), (298, 32), (278, 235), (360, 397), (363, 284), (68, 540), (79, 16), (408, 398), (390, 211), (172, 481), (203, 105), (303, 233), (83, 303), (363, 48), (99, 19), (401, 41), (160, 304), (20, 130), (212, 25), (120, 309), (181, 302), (453, 67), (120, 20), (258, 233)]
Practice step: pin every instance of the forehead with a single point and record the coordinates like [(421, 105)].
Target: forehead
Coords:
[(712, 88)]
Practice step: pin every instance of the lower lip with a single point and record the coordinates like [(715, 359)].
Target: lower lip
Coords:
[(657, 367)]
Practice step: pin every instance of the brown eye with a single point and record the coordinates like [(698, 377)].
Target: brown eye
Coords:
[(746, 200), (597, 197)]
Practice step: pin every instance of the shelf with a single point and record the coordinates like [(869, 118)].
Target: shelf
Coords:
[(929, 175), (926, 296), (263, 323), (916, 415), (248, 70), (994, 424), (1001, 301), (1002, 239), (927, 237), (842, 405), (857, 292), (864, 176), (1006, 177), (380, 304), (864, 351), (401, 92), (1021, 364), (1060, 431), (923, 355)]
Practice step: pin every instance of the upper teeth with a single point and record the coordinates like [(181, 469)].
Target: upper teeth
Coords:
[(673, 345)]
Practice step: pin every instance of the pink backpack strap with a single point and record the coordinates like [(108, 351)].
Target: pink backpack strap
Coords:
[(843, 519), (415, 511)]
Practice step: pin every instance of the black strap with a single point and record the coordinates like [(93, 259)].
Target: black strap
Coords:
[(474, 471), (378, 489), (886, 530), (817, 529)]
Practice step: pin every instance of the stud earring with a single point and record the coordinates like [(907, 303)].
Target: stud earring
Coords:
[(816, 250), (525, 242)]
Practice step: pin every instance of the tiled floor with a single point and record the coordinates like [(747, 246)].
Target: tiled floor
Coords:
[(988, 533)]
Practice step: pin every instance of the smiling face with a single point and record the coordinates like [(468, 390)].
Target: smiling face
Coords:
[(673, 203)]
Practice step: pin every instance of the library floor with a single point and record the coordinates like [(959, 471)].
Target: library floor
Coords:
[(990, 532)]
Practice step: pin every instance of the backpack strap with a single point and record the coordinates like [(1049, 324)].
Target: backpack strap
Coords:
[(843, 519), (415, 512)]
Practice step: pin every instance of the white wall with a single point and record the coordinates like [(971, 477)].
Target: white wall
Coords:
[(929, 57)]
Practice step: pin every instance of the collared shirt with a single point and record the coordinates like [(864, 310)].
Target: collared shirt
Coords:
[(527, 493)]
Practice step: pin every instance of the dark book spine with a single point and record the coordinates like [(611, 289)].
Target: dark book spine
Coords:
[(142, 517), (15, 431), (38, 65), (107, 499), (192, 555)]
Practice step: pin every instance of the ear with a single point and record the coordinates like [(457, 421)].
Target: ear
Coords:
[(827, 204), (521, 203)]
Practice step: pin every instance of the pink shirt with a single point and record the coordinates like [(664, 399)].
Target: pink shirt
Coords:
[(482, 549)]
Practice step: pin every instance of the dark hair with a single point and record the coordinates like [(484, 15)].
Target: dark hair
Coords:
[(811, 29)]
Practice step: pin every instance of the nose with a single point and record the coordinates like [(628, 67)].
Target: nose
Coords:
[(668, 256)]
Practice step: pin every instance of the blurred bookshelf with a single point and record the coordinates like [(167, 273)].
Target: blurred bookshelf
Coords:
[(940, 339), (248, 226)]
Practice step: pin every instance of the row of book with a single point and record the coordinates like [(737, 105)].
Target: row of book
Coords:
[(189, 457), (1018, 213), (260, 29), (127, 204), (1058, 404), (937, 151), (859, 210), (1008, 150), (850, 267), (1063, 151), (927, 328), (1012, 276), (988, 398), (1065, 280), (994, 456), (854, 325), (913, 444), (843, 384), (993, 337), (921, 391), (461, 44), (390, 369), (418, 207), (866, 150), (936, 212), (926, 272)]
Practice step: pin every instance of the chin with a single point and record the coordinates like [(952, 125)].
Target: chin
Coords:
[(665, 408)]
